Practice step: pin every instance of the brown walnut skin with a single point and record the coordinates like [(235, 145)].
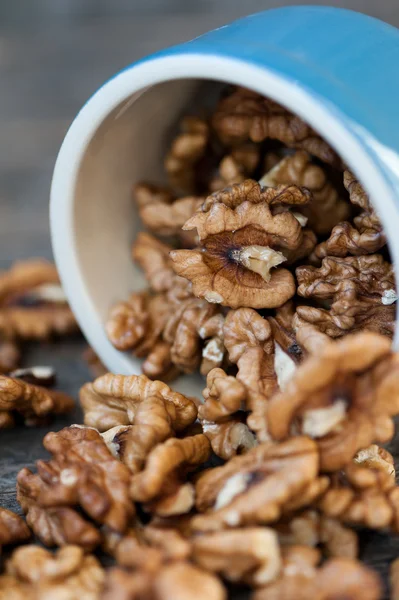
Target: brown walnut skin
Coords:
[(250, 554), (358, 289), (237, 166), (365, 496), (242, 243), (32, 304), (268, 478), (113, 400), (128, 322), (312, 529), (152, 256), (56, 526), (337, 578), (163, 213), (327, 208), (245, 114), (13, 529), (364, 236), (166, 460), (31, 402), (34, 573), (344, 397), (249, 342), (224, 395), (81, 475), (185, 152)]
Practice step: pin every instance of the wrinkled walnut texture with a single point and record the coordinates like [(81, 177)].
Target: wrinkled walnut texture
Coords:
[(365, 236), (247, 115), (358, 289), (113, 400), (344, 397), (242, 243), (31, 401)]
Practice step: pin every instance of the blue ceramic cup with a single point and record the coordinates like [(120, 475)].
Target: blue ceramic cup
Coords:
[(336, 69)]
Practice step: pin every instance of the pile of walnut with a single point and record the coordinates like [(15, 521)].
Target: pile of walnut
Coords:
[(280, 515), (266, 481)]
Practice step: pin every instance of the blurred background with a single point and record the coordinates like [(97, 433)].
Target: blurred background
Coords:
[(55, 53)]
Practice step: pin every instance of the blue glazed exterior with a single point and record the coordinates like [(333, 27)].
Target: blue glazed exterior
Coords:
[(348, 60)]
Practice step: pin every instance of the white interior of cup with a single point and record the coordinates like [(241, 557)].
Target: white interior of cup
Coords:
[(120, 138), (128, 147)]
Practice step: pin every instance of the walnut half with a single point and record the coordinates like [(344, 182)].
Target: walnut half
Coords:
[(243, 241)]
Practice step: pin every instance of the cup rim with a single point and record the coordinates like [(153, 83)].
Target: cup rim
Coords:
[(325, 118)]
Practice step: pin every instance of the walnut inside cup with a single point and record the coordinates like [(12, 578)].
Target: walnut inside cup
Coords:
[(268, 276)]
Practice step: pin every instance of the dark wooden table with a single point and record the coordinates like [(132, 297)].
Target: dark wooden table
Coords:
[(53, 56)]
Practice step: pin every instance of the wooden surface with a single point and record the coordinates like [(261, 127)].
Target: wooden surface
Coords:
[(53, 56)]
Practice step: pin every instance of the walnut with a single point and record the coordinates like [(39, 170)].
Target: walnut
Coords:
[(375, 457), (344, 397), (254, 488), (26, 276), (55, 526), (168, 540), (183, 329), (32, 303), (224, 396), (161, 480), (113, 400), (221, 422), (357, 288), (130, 550), (158, 359), (138, 323), (299, 566), (247, 115), (251, 555), (186, 150), (235, 167), (363, 495), (213, 352), (312, 529), (153, 423), (177, 581), (153, 257), (13, 529), (308, 336), (327, 208), (337, 578), (34, 573), (241, 241), (10, 356), (364, 236), (147, 548), (158, 363), (394, 579), (164, 214), (230, 437), (31, 402), (120, 584), (82, 474), (166, 329), (183, 581), (37, 323), (128, 321), (248, 340)]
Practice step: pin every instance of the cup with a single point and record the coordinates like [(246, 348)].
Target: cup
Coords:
[(335, 68)]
